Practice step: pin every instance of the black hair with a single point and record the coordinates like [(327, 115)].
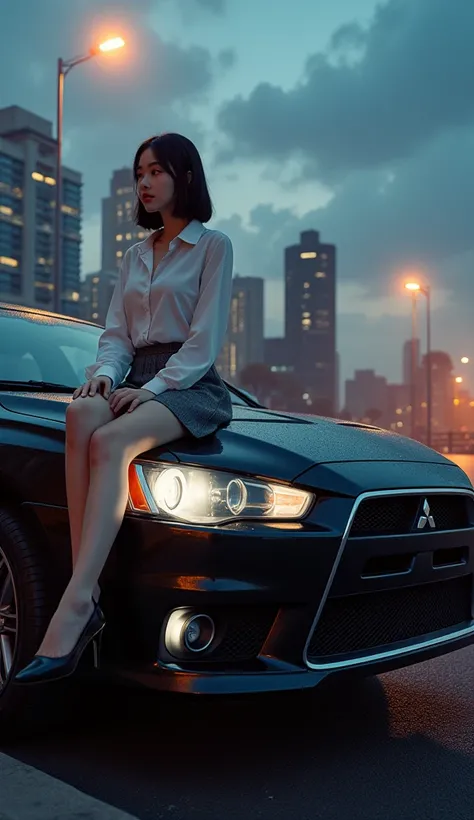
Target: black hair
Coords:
[(177, 156)]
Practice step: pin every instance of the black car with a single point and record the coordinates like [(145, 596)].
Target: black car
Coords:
[(277, 552)]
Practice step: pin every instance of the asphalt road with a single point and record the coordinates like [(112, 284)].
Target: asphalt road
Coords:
[(397, 746)]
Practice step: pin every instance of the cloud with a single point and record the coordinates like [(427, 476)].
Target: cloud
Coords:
[(189, 8), (418, 216), (148, 73), (227, 58), (386, 119), (112, 102), (217, 6), (411, 83)]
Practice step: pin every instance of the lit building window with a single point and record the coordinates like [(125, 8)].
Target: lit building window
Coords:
[(128, 236), (320, 274), (5, 210), (50, 181), (95, 280), (119, 237), (141, 235), (66, 209), (306, 322), (37, 177), (119, 254), (7, 260), (308, 255), (306, 315), (306, 285), (95, 315)]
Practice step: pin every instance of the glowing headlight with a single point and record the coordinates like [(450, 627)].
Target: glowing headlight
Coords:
[(202, 496)]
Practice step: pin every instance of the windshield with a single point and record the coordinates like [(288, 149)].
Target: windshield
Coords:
[(43, 348)]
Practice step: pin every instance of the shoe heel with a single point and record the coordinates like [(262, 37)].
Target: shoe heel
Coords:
[(97, 648)]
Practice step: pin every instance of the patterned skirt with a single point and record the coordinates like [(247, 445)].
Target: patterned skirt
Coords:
[(201, 409)]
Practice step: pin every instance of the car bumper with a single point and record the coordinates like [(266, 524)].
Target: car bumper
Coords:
[(282, 600)]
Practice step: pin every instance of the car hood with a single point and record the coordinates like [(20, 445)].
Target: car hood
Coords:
[(286, 446), (41, 405), (338, 455)]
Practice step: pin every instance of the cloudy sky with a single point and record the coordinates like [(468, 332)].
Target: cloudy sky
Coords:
[(353, 117)]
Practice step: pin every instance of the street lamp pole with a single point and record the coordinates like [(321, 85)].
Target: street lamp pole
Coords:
[(64, 67), (414, 365), (59, 195), (429, 396)]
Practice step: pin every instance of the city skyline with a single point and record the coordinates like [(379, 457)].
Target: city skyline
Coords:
[(393, 197)]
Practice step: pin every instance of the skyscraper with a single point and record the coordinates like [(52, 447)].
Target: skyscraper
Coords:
[(119, 231), (96, 293), (27, 208), (366, 392), (243, 343), (310, 318), (442, 391)]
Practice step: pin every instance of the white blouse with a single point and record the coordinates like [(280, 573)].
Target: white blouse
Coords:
[(185, 299)]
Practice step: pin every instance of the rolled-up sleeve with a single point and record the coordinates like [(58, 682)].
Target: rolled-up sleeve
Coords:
[(208, 326), (116, 351)]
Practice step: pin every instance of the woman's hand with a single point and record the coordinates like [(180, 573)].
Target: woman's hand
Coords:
[(129, 395), (101, 385)]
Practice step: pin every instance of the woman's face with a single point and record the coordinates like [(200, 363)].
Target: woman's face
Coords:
[(155, 187)]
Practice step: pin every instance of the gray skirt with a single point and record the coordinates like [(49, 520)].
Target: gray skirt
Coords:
[(201, 409)]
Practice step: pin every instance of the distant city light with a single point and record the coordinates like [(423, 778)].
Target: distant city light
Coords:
[(458, 379), (465, 360)]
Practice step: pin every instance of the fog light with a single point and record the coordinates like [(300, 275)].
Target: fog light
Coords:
[(188, 631), (198, 633)]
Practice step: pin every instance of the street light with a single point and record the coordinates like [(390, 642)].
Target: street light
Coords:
[(414, 363), (64, 67), (415, 288)]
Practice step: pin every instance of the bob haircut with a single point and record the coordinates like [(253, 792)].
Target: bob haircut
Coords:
[(177, 156)]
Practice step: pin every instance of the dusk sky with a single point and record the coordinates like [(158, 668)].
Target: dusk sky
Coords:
[(352, 117)]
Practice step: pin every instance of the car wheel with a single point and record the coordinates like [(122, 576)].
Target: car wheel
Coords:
[(24, 615)]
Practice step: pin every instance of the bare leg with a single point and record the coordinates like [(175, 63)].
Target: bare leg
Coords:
[(113, 447), (84, 416)]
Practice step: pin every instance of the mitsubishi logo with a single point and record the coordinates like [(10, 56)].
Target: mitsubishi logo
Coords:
[(426, 518)]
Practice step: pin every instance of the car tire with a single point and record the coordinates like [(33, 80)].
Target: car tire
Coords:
[(23, 606)]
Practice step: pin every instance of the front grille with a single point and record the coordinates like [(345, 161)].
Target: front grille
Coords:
[(243, 633), (399, 514), (358, 623)]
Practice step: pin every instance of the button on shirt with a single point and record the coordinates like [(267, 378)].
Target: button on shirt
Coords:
[(185, 299)]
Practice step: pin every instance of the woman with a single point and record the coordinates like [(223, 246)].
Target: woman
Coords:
[(167, 319)]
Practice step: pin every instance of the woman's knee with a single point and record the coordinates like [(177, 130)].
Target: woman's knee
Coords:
[(85, 415), (104, 445)]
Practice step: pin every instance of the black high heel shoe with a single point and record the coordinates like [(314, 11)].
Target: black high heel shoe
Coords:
[(43, 669)]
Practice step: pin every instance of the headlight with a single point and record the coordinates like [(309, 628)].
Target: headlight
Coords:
[(201, 496)]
